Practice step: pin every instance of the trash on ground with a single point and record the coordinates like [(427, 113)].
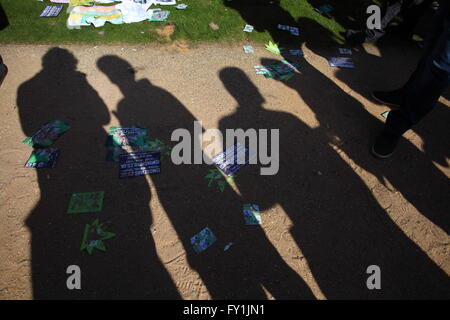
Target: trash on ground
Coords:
[(166, 2), (341, 62), (181, 6), (248, 28), (158, 15), (203, 240), (158, 145), (213, 26), (282, 70), (294, 31), (248, 49), (135, 164), (385, 114), (221, 179), (261, 70), (327, 8), (51, 11), (252, 215), (114, 152), (97, 15), (232, 159), (345, 51), (273, 47), (133, 11), (126, 136), (283, 27), (86, 202), (93, 237), (85, 13), (48, 134), (228, 246), (296, 52), (42, 158)]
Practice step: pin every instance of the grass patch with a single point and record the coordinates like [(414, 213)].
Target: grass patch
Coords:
[(192, 24)]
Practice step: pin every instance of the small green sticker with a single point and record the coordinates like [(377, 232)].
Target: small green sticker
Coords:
[(86, 202)]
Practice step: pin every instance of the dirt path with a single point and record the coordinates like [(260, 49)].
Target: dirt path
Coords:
[(333, 213)]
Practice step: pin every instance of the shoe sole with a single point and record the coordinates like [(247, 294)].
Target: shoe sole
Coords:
[(380, 156), (384, 102)]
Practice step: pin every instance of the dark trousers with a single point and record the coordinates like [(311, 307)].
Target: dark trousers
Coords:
[(420, 95), (430, 79)]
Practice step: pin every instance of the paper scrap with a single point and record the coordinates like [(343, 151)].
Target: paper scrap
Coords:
[(252, 215), (273, 47), (126, 136), (248, 49), (296, 52), (233, 158), (51, 11), (203, 240), (135, 164), (327, 8), (341, 62), (220, 178), (43, 158), (86, 202), (294, 31), (248, 28), (345, 51), (228, 246), (48, 134), (94, 235)]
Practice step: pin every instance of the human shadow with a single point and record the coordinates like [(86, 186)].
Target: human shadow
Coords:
[(130, 267), (266, 15), (337, 223), (424, 188), (3, 19), (252, 263)]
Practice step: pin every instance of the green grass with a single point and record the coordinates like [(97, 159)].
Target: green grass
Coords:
[(25, 25)]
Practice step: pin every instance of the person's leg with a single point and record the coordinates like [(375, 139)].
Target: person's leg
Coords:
[(420, 95)]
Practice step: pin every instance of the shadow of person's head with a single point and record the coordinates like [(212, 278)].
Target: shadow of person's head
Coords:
[(59, 60), (118, 70), (241, 88), (3, 19)]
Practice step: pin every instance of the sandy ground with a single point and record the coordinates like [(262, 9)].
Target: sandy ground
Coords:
[(330, 212)]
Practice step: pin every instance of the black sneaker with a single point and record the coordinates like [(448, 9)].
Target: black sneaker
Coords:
[(389, 98), (384, 145)]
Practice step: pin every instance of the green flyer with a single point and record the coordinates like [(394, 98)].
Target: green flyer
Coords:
[(86, 202), (48, 134), (93, 237)]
